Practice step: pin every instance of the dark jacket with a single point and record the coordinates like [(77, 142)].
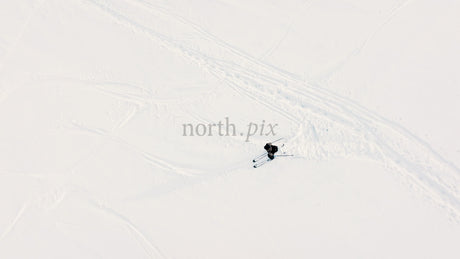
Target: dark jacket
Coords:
[(271, 150)]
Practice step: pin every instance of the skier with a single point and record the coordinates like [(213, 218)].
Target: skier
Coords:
[(271, 150)]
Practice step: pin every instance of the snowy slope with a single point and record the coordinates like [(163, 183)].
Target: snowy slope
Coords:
[(94, 95)]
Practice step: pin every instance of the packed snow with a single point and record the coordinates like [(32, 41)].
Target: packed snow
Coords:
[(128, 129)]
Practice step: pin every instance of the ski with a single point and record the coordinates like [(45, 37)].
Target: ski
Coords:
[(267, 157), (259, 157), (262, 163)]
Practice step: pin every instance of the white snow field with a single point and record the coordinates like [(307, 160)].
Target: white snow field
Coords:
[(94, 96)]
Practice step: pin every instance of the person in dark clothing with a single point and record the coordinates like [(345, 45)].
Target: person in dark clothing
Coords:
[(271, 150)]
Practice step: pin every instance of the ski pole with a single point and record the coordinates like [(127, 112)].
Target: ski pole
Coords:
[(276, 140), (283, 155)]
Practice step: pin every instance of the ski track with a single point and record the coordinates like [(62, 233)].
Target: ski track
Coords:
[(307, 105), (128, 92), (152, 250), (395, 10), (150, 158), (16, 219), (21, 32), (305, 5), (392, 13)]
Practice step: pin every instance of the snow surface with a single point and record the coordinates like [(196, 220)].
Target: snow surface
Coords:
[(94, 164)]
